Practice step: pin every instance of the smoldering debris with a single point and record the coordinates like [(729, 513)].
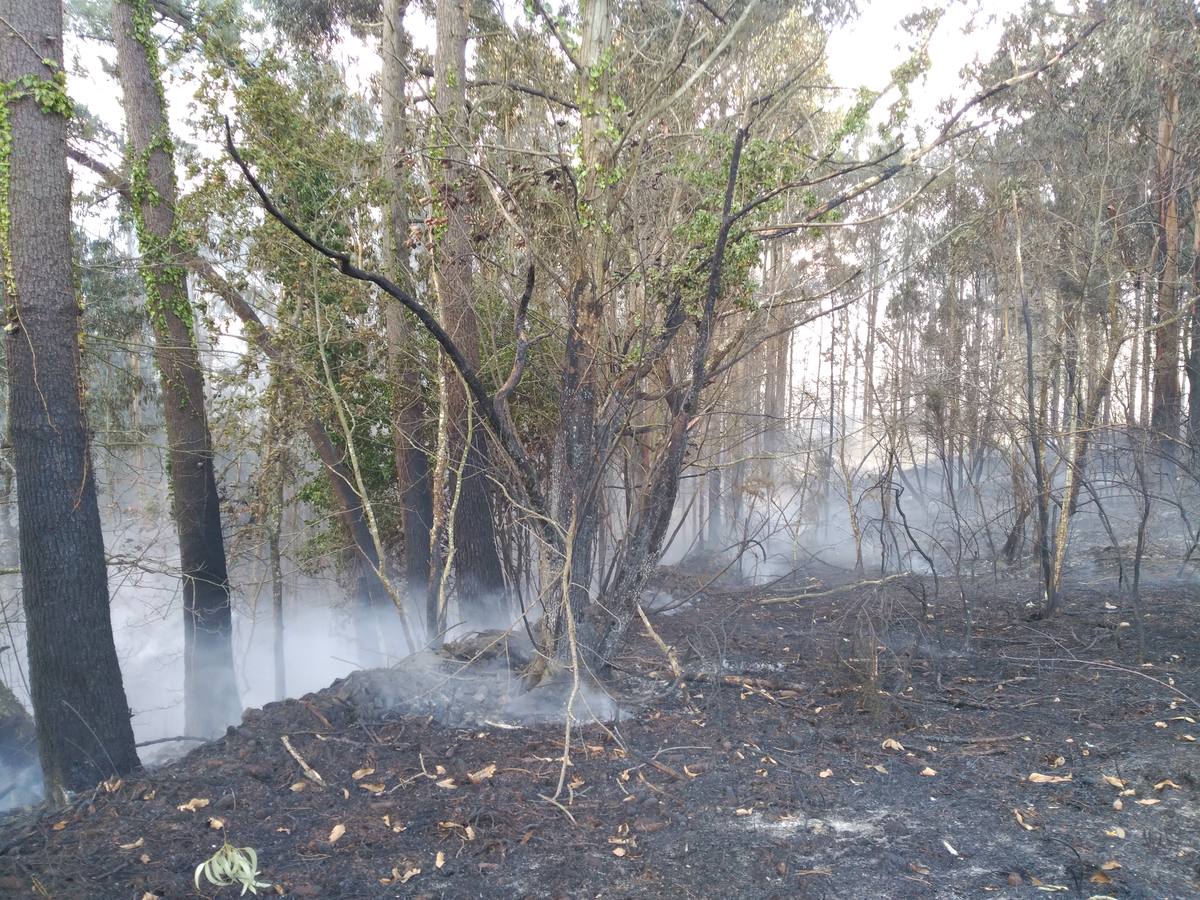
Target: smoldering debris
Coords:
[(474, 682)]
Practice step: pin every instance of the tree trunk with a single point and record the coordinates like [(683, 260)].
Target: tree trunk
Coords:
[(1166, 411), (210, 695), (412, 465), (83, 728), (479, 579)]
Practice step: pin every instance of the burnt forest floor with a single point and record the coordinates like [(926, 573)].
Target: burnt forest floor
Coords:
[(848, 745)]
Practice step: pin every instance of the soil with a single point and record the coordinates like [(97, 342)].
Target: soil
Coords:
[(845, 745)]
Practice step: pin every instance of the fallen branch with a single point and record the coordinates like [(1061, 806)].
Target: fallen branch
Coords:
[(309, 772), (796, 598)]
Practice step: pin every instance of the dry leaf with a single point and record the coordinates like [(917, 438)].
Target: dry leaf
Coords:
[(741, 811), (112, 785), (1149, 801), (880, 769), (483, 774), (619, 851), (1166, 783), (892, 744), (373, 786), (949, 848), (1038, 778), (215, 824), (919, 868), (338, 830), (144, 858), (1117, 832), (1110, 866), (825, 773), (138, 843), (1057, 761), (362, 773), (1115, 782), (1160, 724), (447, 783), (439, 860), (299, 786), (1100, 878), (928, 772), (192, 805), (1021, 821), (1188, 738), (439, 769), (1118, 804)]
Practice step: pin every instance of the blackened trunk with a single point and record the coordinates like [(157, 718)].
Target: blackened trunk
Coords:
[(479, 578), (412, 465), (83, 728), (210, 689)]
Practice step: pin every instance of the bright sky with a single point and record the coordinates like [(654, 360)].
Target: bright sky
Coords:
[(865, 52)]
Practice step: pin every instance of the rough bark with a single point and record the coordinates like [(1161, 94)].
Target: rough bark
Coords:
[(210, 689), (1166, 409), (83, 720), (479, 579), (408, 414)]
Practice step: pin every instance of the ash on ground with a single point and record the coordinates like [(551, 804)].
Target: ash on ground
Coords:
[(475, 681)]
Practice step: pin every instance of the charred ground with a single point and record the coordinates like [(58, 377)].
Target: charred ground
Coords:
[(764, 773)]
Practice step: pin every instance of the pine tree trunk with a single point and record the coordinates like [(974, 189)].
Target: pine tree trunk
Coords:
[(210, 689), (82, 717)]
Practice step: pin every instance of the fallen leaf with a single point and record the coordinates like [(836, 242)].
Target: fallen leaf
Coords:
[(144, 858), (1149, 801), (299, 786), (133, 846), (409, 874), (439, 860), (1109, 606), (1021, 821), (1100, 878), (892, 744), (1117, 832), (741, 811), (1188, 738), (192, 805), (619, 851), (1110, 866), (1038, 778), (1160, 724), (1118, 804), (215, 824), (361, 773), (928, 772), (112, 785), (1057, 761), (373, 786), (919, 868), (825, 773), (1166, 783), (1115, 782), (689, 773), (439, 769), (447, 783), (335, 835), (880, 769), (949, 848), (483, 774)]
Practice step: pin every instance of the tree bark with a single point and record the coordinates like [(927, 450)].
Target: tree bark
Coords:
[(210, 689), (1166, 410), (408, 413), (82, 717), (479, 579)]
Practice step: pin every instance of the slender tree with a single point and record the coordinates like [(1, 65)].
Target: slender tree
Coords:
[(210, 689)]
